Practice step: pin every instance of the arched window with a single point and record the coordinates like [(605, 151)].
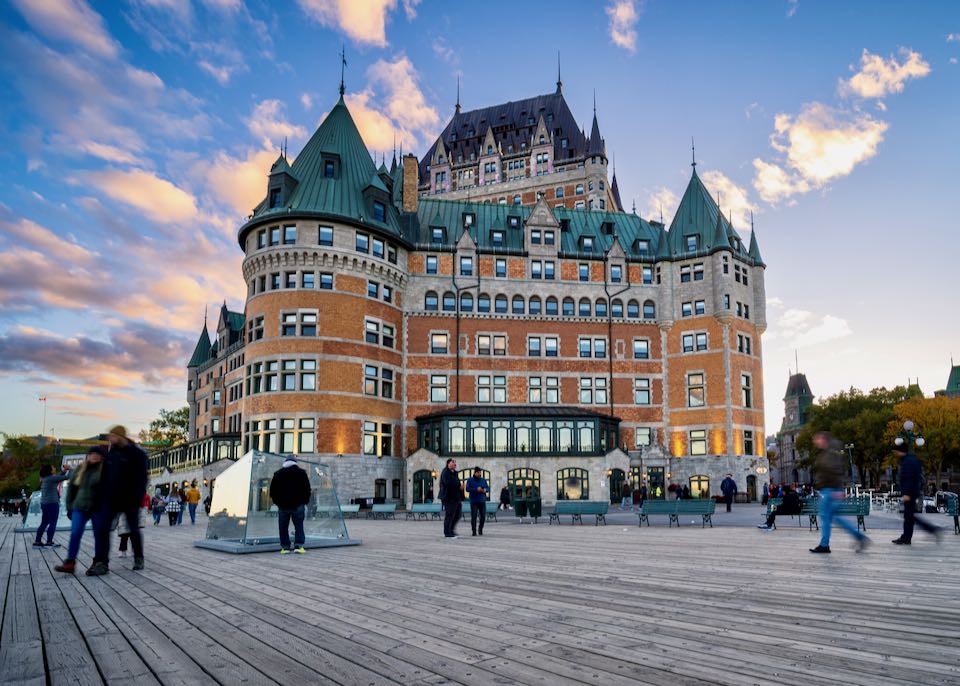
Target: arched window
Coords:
[(573, 483), (552, 305), (489, 149), (524, 482), (430, 302), (649, 310), (500, 304), (616, 308), (483, 303), (449, 302), (466, 302), (584, 309), (517, 304), (633, 309), (601, 308), (699, 486), (568, 308), (423, 486), (533, 306)]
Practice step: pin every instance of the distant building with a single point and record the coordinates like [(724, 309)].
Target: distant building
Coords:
[(797, 402), (953, 383)]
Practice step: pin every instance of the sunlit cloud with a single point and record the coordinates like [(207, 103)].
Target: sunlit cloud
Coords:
[(364, 21), (662, 201), (623, 16), (28, 233), (241, 183), (879, 77), (73, 21), (158, 198), (734, 201), (792, 7), (398, 81), (307, 101), (269, 126), (796, 328)]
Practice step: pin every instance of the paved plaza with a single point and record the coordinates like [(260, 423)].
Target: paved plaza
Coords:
[(524, 604)]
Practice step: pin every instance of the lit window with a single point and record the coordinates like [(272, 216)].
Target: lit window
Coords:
[(698, 442), (696, 393)]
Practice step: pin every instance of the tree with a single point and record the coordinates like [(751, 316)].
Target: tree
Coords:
[(861, 419), (938, 421), (20, 468), (170, 427)]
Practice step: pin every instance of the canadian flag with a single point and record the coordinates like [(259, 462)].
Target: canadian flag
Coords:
[(42, 398)]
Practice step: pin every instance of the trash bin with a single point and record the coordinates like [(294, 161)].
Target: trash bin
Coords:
[(534, 507), (520, 507)]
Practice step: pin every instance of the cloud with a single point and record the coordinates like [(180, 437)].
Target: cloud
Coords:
[(405, 103), (879, 77), (953, 60), (953, 37), (410, 9), (224, 5), (239, 182), (72, 21), (306, 101), (159, 199), (796, 328), (753, 107), (664, 201), (734, 202), (792, 6), (444, 51), (110, 153), (364, 21), (774, 184), (65, 249), (269, 126), (623, 21), (221, 74)]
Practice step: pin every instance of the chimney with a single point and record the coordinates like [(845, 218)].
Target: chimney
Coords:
[(411, 180)]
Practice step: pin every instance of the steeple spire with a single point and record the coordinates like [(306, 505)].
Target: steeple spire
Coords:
[(559, 80), (457, 109), (693, 151), (343, 64)]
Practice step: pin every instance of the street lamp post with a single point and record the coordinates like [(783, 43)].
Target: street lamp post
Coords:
[(908, 436), (849, 448)]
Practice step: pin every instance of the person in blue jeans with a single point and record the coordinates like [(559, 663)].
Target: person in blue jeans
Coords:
[(477, 490), (85, 503), (49, 505), (290, 492), (830, 474)]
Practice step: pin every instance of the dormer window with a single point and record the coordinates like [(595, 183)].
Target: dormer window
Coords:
[(564, 225), (468, 219), (489, 149), (496, 239), (274, 198), (379, 211), (643, 246), (692, 243), (514, 221), (328, 169), (586, 244), (608, 228), (542, 140), (436, 235)]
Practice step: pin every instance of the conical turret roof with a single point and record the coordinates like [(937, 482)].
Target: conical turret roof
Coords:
[(698, 215), (597, 146), (202, 350), (755, 250), (615, 192)]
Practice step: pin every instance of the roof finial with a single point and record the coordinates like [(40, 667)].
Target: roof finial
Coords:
[(594, 102), (796, 360), (204, 316), (634, 205), (559, 81), (693, 150), (343, 64), (751, 221), (661, 214), (457, 110), (614, 164)]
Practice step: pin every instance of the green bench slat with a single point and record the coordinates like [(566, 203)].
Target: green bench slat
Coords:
[(577, 508), (674, 509)]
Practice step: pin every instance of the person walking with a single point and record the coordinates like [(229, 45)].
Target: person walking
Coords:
[(451, 497), (640, 495), (49, 505), (626, 496), (790, 505), (157, 505), (193, 499), (504, 499), (124, 484), (290, 492), (729, 489), (123, 526), (207, 503), (477, 489), (829, 472), (173, 504), (911, 490), (84, 504)]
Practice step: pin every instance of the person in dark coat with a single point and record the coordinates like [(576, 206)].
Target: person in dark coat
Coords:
[(729, 489), (50, 484), (504, 499), (124, 484), (290, 492), (477, 489), (790, 505), (911, 490), (830, 474), (83, 503), (685, 492), (451, 497)]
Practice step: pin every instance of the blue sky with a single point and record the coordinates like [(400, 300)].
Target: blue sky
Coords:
[(136, 136)]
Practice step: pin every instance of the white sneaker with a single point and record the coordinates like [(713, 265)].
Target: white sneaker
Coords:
[(764, 527)]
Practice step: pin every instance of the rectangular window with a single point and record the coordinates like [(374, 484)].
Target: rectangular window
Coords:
[(496, 239), (363, 242), (466, 266), (686, 341), (305, 437), (308, 324), (549, 271), (289, 235), (379, 211), (536, 269), (593, 391), (686, 309), (377, 439), (386, 383), (431, 264), (641, 349), (388, 336), (549, 238), (641, 391), (491, 389), (438, 388), (647, 275), (438, 343), (387, 293), (701, 341), (584, 346), (583, 271), (289, 325), (484, 345), (328, 169), (372, 332), (586, 244), (535, 390), (746, 311), (726, 302), (643, 436), (685, 274), (698, 272), (616, 273), (262, 239), (288, 377), (308, 375), (698, 442), (436, 235), (377, 248), (307, 279), (600, 347), (692, 243), (500, 345), (290, 280), (696, 392), (535, 237), (373, 290), (326, 235), (275, 235), (326, 281), (550, 346), (216, 397), (746, 391), (748, 442), (534, 348), (699, 307), (275, 281)]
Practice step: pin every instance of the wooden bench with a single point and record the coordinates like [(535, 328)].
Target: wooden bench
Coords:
[(383, 511), (491, 512), (577, 508), (677, 508), (421, 510)]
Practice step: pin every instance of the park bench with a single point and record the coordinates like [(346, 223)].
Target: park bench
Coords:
[(677, 508), (491, 511), (858, 506), (383, 511), (808, 506), (952, 511), (350, 510), (577, 508), (421, 510)]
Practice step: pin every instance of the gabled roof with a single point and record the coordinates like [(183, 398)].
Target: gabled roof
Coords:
[(281, 166), (797, 387), (511, 124), (339, 138), (699, 215), (202, 351)]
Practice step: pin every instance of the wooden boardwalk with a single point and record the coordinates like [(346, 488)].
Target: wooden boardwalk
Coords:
[(521, 605)]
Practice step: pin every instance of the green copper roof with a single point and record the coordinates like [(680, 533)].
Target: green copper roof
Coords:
[(698, 215), (203, 349), (281, 166), (755, 249), (953, 382), (339, 139)]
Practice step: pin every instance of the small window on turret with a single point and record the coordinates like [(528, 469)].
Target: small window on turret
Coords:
[(274, 198), (692, 243), (328, 169), (379, 211)]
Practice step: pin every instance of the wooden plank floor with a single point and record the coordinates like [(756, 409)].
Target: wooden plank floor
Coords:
[(524, 604)]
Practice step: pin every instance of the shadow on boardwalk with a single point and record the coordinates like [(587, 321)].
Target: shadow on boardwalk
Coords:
[(521, 605)]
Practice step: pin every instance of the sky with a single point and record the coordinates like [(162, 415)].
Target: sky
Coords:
[(136, 137)]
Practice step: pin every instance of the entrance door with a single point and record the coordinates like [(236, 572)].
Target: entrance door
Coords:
[(423, 486), (751, 488), (617, 477), (657, 488)]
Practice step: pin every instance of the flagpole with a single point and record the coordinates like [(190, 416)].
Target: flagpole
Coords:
[(43, 399)]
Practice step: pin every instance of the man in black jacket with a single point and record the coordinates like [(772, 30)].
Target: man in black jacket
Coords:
[(452, 499), (290, 492), (790, 505), (124, 485), (911, 488)]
